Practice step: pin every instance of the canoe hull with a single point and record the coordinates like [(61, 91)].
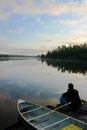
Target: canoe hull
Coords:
[(35, 117), (25, 124)]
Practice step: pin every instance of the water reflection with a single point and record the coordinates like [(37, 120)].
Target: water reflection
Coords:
[(11, 91), (16, 126), (8, 113), (33, 81), (70, 66)]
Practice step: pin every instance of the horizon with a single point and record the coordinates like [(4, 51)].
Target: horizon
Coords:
[(33, 27)]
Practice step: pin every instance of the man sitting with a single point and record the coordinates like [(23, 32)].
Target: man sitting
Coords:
[(72, 96)]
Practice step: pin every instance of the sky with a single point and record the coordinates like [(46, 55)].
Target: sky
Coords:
[(32, 27)]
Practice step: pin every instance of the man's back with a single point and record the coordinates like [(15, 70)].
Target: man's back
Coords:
[(73, 97)]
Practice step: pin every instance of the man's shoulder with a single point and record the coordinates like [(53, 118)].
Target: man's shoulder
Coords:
[(75, 90)]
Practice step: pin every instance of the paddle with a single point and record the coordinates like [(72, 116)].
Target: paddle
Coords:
[(57, 108)]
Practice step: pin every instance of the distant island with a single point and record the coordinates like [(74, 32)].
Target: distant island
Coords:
[(72, 52), (14, 57), (6, 55), (3, 55)]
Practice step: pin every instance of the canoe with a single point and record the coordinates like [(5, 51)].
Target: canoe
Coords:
[(36, 117)]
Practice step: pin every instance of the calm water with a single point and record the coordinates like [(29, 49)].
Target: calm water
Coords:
[(34, 81)]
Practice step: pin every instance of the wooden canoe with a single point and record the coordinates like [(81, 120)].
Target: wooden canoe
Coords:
[(36, 117)]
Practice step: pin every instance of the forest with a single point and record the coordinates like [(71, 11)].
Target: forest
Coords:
[(67, 53)]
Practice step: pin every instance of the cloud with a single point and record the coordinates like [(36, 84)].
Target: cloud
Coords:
[(42, 35), (6, 9), (30, 7), (80, 39), (17, 31), (3, 43), (40, 21), (7, 47), (81, 8), (70, 22), (43, 7)]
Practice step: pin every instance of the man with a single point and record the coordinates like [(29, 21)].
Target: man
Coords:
[(72, 96)]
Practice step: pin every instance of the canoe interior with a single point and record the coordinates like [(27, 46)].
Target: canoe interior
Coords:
[(43, 119)]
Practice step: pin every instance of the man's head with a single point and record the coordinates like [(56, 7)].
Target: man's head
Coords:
[(70, 86)]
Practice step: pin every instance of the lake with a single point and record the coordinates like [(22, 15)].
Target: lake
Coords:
[(36, 81)]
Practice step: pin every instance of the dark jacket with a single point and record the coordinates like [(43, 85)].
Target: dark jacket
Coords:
[(73, 97)]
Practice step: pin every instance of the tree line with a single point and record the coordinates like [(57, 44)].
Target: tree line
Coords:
[(3, 55), (71, 52)]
